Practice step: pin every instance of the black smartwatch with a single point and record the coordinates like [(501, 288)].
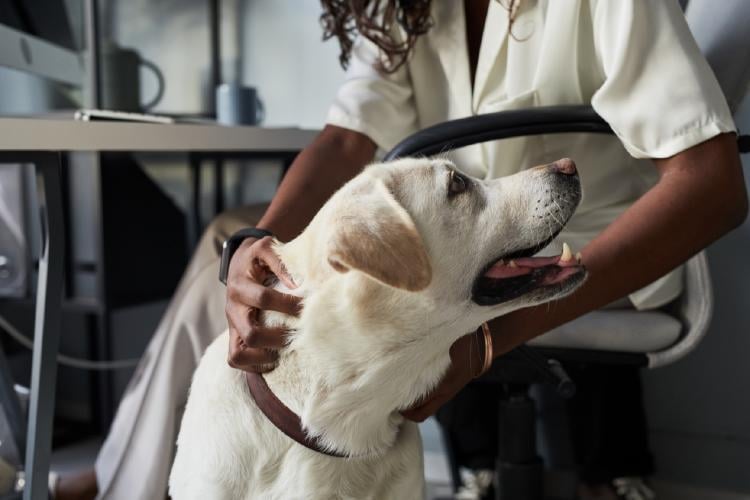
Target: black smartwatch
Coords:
[(233, 243)]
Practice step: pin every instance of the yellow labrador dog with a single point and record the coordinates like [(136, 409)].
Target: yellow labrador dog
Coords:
[(403, 260)]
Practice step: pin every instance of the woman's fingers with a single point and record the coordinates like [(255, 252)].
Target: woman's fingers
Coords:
[(253, 345), (263, 336), (419, 413), (247, 292), (250, 359), (444, 393), (465, 358), (263, 252), (433, 401), (253, 334)]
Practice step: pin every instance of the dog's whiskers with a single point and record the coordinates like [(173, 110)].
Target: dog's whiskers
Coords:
[(552, 214)]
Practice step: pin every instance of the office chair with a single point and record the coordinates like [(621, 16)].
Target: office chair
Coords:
[(646, 339)]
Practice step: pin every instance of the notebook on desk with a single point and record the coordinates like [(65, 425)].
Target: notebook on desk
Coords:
[(90, 115)]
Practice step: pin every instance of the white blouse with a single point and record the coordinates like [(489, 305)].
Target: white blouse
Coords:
[(634, 61)]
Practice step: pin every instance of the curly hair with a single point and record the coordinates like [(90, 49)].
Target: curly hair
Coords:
[(376, 19)]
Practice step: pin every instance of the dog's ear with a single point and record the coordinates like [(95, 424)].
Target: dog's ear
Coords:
[(378, 237)]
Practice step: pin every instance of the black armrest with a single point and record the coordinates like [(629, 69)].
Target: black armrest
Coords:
[(494, 126), (505, 124)]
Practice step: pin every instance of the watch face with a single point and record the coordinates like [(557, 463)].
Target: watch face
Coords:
[(233, 243), (227, 251)]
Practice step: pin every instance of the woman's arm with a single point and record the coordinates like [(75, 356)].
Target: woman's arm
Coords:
[(699, 197), (334, 157)]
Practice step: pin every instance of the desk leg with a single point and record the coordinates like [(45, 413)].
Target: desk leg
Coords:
[(46, 327), (218, 186), (194, 217), (11, 407)]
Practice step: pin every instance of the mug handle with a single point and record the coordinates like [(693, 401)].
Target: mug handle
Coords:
[(260, 110), (160, 82)]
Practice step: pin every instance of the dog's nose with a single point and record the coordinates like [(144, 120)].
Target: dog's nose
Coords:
[(565, 166)]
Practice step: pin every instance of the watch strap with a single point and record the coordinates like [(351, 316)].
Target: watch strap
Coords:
[(231, 245)]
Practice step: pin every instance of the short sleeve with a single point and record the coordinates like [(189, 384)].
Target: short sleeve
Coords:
[(659, 95), (377, 104)]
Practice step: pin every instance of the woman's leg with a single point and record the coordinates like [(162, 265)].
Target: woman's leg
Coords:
[(136, 457), (608, 425)]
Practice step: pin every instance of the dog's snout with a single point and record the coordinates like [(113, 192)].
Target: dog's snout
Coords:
[(564, 166)]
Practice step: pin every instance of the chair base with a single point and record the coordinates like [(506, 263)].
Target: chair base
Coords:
[(519, 473)]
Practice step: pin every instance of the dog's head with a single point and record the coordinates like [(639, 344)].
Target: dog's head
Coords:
[(420, 227), (400, 262)]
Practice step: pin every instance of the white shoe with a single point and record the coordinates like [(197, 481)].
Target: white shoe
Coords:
[(632, 488), (19, 482), (474, 483)]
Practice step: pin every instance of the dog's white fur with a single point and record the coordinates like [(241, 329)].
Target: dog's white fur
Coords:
[(386, 269)]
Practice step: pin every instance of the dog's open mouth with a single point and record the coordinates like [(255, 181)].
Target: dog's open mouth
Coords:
[(519, 274)]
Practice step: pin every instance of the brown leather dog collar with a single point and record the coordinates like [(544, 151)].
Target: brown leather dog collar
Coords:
[(281, 416)]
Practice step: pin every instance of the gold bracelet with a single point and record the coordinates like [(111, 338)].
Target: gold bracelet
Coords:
[(487, 335)]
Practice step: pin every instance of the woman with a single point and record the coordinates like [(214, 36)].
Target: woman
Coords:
[(634, 62), (413, 63)]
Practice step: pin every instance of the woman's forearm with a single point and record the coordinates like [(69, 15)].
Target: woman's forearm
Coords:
[(700, 196), (334, 157)]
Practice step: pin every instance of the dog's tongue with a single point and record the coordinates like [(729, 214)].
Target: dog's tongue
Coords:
[(518, 267)]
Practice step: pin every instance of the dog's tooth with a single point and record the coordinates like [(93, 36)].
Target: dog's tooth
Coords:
[(567, 254), (579, 257), (502, 262), (512, 263)]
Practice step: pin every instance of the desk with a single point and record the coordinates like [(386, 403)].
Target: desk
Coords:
[(44, 143), (23, 134)]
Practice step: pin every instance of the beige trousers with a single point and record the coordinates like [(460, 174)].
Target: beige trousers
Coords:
[(136, 458)]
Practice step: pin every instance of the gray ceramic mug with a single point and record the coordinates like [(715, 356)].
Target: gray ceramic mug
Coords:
[(238, 105), (121, 79)]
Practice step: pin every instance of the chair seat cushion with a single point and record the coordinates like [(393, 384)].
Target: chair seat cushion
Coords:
[(615, 330)]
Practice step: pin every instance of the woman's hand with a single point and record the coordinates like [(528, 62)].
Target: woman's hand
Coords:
[(333, 158), (252, 345), (467, 356)]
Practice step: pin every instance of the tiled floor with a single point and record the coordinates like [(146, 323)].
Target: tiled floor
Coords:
[(81, 456), (437, 474)]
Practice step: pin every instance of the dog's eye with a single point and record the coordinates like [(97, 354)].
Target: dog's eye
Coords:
[(456, 183)]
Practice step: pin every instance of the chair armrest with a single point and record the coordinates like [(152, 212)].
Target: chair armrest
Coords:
[(502, 125), (695, 310), (697, 298)]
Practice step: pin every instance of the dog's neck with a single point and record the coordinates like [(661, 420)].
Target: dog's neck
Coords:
[(348, 369)]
